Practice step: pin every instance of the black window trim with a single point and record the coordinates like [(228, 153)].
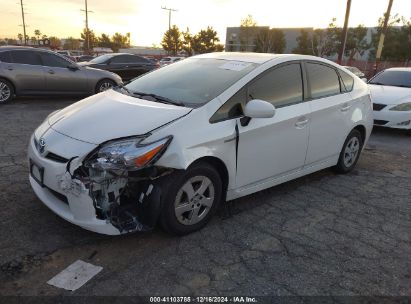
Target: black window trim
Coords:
[(247, 85), (341, 83)]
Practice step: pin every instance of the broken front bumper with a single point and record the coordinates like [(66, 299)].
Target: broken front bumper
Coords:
[(77, 209), (74, 199)]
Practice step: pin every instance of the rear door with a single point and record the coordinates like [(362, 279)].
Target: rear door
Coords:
[(26, 72), (330, 112), (60, 78)]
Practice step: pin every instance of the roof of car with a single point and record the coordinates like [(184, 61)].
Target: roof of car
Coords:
[(245, 57), (404, 69)]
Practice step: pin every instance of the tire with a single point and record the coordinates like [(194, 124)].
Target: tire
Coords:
[(185, 211), (350, 152), (6, 91), (104, 85)]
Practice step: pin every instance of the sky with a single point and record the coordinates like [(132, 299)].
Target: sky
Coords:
[(147, 22)]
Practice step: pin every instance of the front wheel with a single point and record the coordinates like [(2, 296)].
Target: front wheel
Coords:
[(104, 85), (191, 199), (350, 152)]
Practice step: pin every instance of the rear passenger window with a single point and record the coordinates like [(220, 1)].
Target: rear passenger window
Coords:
[(5, 57), (26, 57), (323, 80), (348, 82), (281, 86)]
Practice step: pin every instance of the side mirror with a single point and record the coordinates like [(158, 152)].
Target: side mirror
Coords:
[(257, 108), (364, 79), (73, 67)]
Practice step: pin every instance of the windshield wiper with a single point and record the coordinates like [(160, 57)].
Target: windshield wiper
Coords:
[(122, 87), (159, 98)]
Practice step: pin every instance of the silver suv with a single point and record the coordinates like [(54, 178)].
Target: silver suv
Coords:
[(30, 71)]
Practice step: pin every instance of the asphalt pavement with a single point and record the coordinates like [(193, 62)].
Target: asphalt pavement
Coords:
[(323, 234)]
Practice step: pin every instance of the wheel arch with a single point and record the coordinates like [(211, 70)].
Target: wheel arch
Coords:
[(363, 131), (221, 168), (11, 82)]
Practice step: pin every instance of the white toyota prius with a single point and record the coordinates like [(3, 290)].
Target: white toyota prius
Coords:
[(173, 144)]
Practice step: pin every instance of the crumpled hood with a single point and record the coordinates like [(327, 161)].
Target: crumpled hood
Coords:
[(390, 95), (110, 115)]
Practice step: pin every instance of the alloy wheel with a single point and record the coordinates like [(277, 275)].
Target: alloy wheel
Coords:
[(194, 200), (5, 92), (351, 151), (106, 85)]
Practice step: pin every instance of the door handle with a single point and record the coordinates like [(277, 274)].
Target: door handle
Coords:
[(10, 68), (301, 123), (51, 72), (345, 108)]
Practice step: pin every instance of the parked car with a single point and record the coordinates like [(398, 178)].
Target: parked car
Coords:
[(31, 71), (175, 143), (128, 66), (357, 72), (391, 94), (84, 58), (169, 60), (66, 54)]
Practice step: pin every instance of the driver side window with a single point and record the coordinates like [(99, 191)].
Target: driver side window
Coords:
[(53, 60)]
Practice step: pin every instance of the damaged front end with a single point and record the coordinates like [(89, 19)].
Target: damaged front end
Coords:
[(120, 179)]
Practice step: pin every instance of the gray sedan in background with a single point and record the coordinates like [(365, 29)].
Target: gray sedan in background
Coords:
[(26, 71)]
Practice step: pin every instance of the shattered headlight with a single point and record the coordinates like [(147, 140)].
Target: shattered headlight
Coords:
[(128, 154), (402, 107)]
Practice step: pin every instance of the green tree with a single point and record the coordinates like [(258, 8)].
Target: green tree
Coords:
[(270, 41), (33, 40), (326, 42), (119, 41), (20, 36), (356, 42), (71, 44), (37, 33), (247, 31), (172, 41), (304, 45), (397, 43), (104, 41), (93, 41), (187, 42), (206, 41), (55, 42)]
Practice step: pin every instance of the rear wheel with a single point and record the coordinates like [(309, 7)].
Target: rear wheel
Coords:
[(6, 91), (191, 199), (104, 85), (350, 152)]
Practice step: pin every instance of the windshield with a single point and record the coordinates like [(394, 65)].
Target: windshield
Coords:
[(101, 59), (192, 82), (393, 78)]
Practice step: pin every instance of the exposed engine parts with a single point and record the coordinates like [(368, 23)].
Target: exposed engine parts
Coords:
[(129, 200)]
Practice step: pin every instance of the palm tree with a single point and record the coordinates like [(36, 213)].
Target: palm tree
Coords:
[(20, 36), (37, 33)]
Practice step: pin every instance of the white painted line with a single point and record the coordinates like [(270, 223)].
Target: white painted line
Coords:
[(75, 276)]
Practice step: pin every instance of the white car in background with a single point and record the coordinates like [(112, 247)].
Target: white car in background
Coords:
[(173, 144), (169, 60), (391, 95)]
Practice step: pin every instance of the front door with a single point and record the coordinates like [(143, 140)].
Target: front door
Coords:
[(61, 79), (272, 147)]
